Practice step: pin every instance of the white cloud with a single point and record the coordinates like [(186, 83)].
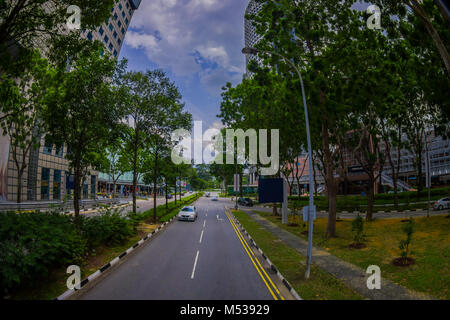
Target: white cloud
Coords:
[(187, 27)]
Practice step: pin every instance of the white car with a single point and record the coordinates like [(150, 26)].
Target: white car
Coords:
[(443, 203), (188, 213), (214, 198), (207, 194)]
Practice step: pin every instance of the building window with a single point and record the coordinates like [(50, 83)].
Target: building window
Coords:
[(101, 31), (89, 36), (127, 5), (115, 16), (120, 6), (45, 180), (115, 53), (48, 146), (57, 185), (106, 39), (119, 41), (123, 14), (85, 190), (119, 23), (126, 21), (111, 27), (60, 150), (110, 46), (123, 31), (115, 34)]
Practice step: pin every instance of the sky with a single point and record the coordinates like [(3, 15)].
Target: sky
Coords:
[(197, 43)]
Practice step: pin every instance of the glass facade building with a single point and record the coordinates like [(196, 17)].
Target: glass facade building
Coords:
[(47, 176)]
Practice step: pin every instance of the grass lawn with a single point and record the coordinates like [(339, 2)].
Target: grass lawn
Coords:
[(430, 248), (291, 264)]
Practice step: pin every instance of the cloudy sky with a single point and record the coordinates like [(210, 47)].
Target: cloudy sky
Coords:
[(197, 42)]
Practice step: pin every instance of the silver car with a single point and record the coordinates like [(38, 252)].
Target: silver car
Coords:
[(188, 213), (443, 203)]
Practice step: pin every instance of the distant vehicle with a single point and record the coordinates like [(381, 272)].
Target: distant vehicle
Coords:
[(191, 191), (169, 196), (188, 213), (207, 194), (442, 204), (214, 198), (245, 202)]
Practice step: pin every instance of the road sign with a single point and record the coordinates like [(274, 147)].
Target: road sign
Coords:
[(270, 190)]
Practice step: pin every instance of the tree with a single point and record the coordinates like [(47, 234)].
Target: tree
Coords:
[(153, 111), (22, 124), (26, 22), (115, 161), (83, 108)]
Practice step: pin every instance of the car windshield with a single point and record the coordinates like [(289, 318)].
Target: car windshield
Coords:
[(187, 209)]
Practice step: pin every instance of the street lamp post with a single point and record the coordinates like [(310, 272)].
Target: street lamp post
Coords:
[(311, 194)]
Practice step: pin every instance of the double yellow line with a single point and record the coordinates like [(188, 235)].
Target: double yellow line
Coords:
[(262, 273)]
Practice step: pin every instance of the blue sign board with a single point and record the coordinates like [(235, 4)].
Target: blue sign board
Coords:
[(270, 190)]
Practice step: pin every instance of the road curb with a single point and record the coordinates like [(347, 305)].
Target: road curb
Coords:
[(108, 266), (272, 266)]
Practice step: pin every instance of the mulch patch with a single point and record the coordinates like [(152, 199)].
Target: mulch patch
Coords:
[(403, 262), (404, 220), (304, 232), (356, 245), (292, 224), (339, 220)]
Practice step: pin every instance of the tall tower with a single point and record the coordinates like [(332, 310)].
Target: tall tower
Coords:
[(251, 37), (113, 30)]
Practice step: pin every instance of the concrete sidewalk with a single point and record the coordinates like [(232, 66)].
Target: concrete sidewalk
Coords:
[(351, 275)]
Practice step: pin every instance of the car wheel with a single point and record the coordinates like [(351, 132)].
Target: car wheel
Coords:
[(441, 207)]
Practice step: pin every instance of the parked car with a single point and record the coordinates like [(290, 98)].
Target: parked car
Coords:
[(245, 202), (169, 196), (188, 213), (443, 203), (214, 198), (207, 194)]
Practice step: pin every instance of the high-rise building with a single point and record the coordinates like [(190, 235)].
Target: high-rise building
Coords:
[(251, 37), (47, 176)]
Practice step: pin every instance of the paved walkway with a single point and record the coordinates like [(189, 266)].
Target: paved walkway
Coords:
[(353, 276), (378, 215)]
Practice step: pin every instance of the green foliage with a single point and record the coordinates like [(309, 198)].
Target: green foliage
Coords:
[(108, 228), (358, 229), (32, 243), (404, 245)]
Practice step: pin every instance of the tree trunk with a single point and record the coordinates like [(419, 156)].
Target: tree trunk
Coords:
[(240, 186), (394, 179), (167, 203), (155, 171), (274, 209), (175, 193), (332, 185), (135, 155), (77, 194), (19, 185)]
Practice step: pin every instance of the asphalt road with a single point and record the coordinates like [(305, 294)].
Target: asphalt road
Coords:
[(201, 260)]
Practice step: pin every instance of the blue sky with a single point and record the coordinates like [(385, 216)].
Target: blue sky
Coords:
[(197, 42)]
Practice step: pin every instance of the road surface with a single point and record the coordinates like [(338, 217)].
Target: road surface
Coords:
[(205, 259)]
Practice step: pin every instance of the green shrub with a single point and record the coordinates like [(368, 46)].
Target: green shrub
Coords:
[(404, 245), (358, 229), (108, 228)]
